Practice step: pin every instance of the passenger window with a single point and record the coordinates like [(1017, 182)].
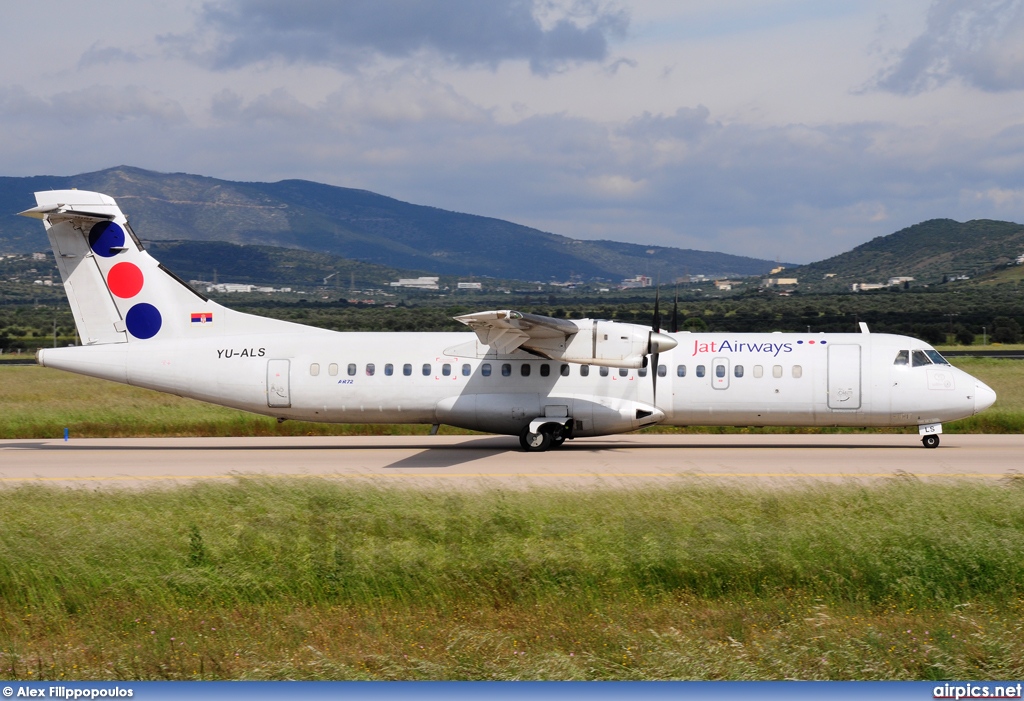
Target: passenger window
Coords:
[(506, 369), (389, 369), (758, 371), (919, 359), (604, 371), (332, 369), (902, 358), (776, 371), (680, 371), (351, 369), (465, 369), (642, 372), (798, 371), (545, 370), (370, 369), (584, 370), (485, 369), (623, 372), (446, 369), (738, 371), (719, 371), (662, 371), (426, 369), (564, 370), (524, 369), (407, 369), (314, 369), (700, 371)]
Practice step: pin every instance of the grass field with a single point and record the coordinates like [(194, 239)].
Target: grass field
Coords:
[(318, 580)]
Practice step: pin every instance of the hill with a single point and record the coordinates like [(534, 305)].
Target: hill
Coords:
[(929, 252), (355, 224)]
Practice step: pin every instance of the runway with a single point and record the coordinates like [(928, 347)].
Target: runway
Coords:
[(482, 461)]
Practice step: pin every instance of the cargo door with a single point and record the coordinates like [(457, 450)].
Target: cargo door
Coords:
[(844, 376), (278, 388)]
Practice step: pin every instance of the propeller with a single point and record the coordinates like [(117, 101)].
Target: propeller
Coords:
[(655, 347), (657, 343)]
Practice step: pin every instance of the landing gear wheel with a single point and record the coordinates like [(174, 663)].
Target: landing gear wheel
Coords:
[(931, 441), (534, 442), (557, 441)]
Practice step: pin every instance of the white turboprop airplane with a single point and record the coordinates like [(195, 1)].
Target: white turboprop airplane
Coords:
[(537, 377)]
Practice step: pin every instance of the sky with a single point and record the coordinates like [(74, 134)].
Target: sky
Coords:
[(789, 130)]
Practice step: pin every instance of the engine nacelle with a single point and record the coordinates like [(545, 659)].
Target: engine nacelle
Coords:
[(600, 342)]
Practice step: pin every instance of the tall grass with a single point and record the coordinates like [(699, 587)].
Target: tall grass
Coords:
[(325, 580)]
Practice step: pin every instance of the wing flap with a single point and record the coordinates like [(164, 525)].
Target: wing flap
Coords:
[(507, 330)]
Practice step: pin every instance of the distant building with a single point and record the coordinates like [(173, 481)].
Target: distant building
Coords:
[(39, 256), (471, 286), (776, 271), (777, 281), (893, 281), (865, 286), (417, 283), (635, 282)]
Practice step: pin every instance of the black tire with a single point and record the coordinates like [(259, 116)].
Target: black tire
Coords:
[(557, 441), (534, 442), (930, 441)]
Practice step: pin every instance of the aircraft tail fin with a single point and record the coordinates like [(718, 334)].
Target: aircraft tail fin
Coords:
[(117, 291)]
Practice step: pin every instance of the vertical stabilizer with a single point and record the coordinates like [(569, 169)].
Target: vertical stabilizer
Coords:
[(118, 292)]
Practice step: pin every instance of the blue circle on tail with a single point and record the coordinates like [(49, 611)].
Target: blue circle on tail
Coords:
[(105, 236), (143, 320)]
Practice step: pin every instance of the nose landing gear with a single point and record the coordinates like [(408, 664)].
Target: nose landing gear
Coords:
[(930, 435)]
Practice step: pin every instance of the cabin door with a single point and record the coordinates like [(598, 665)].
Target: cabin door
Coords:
[(844, 376), (278, 388)]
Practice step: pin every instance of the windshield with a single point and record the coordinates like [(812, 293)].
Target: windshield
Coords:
[(936, 358)]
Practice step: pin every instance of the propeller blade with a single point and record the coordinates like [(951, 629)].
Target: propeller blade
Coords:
[(654, 378), (675, 313)]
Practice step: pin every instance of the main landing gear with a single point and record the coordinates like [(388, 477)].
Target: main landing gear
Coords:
[(550, 435)]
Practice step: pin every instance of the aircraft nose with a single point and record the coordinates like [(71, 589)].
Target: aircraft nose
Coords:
[(984, 397), (662, 342)]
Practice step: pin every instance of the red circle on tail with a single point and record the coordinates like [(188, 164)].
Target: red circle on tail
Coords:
[(125, 280)]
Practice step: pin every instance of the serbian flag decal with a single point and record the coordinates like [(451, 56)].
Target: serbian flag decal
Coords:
[(202, 317)]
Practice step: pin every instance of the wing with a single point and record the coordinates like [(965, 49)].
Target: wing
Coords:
[(507, 330)]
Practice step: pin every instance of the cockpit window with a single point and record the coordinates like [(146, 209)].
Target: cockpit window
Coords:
[(936, 357), (902, 358), (919, 358)]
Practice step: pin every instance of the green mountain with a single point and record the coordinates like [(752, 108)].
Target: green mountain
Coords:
[(929, 252), (355, 224)]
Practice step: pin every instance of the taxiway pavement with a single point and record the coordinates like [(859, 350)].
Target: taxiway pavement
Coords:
[(480, 461)]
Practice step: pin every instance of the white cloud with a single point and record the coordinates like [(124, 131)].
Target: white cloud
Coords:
[(980, 42)]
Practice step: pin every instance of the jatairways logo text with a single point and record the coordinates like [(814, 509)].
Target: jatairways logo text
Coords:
[(729, 347)]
